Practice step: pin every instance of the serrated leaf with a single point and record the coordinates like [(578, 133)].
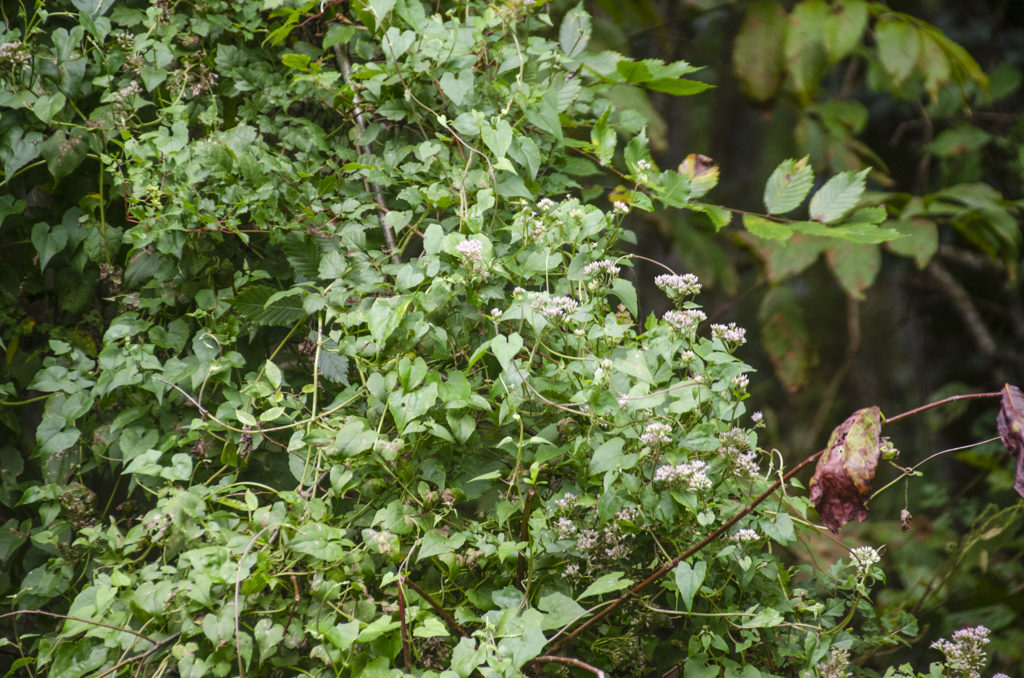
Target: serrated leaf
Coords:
[(303, 252), (838, 196), (757, 50), (574, 33), (251, 304), (788, 185), (841, 484), (764, 228)]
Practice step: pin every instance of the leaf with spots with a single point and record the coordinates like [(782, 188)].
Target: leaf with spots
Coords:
[(842, 479)]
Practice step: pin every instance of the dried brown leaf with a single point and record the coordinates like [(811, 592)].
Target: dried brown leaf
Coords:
[(842, 479), (1010, 424)]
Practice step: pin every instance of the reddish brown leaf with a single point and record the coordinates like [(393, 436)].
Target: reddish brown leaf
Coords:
[(842, 479), (1010, 424)]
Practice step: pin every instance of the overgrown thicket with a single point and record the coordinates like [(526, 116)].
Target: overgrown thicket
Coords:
[(324, 356)]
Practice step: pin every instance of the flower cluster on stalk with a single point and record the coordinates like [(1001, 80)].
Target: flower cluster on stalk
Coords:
[(965, 654), (693, 473)]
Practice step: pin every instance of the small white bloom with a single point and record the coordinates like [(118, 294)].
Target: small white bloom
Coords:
[(620, 207), (656, 433), (544, 204), (678, 285), (864, 557), (729, 333), (685, 321), (496, 313), (745, 534)]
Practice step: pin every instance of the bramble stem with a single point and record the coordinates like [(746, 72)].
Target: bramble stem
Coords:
[(667, 567), (889, 420)]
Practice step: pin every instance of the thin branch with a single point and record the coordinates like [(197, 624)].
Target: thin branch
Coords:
[(667, 567), (443, 613), (569, 661), (44, 613), (961, 301), (966, 396)]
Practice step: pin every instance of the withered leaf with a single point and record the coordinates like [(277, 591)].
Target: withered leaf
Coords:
[(1010, 424), (842, 479)]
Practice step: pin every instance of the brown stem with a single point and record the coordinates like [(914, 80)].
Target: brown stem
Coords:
[(443, 613), (901, 415), (667, 567), (550, 658)]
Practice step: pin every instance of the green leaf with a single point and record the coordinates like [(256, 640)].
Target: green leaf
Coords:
[(47, 242), (959, 140), (788, 185), (613, 581), (767, 617), (506, 348), (251, 304), (843, 27), (786, 341), (838, 196), (920, 241), (48, 106), (803, 48), (855, 266), (677, 86), (457, 88), (607, 456), (898, 47), (435, 544), (297, 61), (574, 33), (626, 293), (63, 154), (764, 228), (338, 34), (18, 148), (757, 57), (498, 138), (688, 579)]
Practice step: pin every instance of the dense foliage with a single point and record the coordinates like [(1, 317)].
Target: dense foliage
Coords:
[(324, 355)]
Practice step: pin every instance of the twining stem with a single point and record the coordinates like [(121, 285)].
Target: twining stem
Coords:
[(443, 613), (667, 567)]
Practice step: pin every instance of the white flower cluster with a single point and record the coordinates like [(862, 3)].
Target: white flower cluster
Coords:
[(567, 502), (556, 307), (746, 464), (693, 473), (740, 382), (729, 333), (620, 207), (656, 434), (685, 321), (544, 204), (678, 286), (745, 534), (604, 266), (13, 56), (864, 557), (965, 653), (471, 251)]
